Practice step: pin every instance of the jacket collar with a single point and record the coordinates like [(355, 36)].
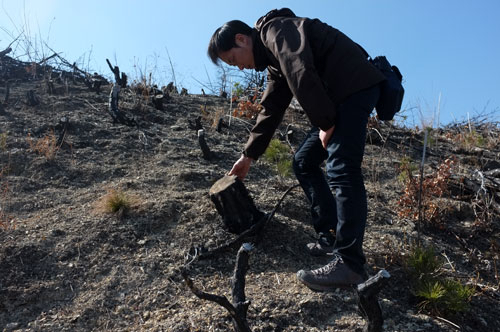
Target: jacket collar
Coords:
[(260, 56)]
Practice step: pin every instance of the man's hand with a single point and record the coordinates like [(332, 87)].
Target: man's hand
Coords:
[(325, 136), (241, 167)]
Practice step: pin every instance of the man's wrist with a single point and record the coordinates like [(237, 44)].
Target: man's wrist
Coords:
[(246, 158)]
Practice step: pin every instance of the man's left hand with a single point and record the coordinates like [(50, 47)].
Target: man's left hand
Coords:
[(325, 136)]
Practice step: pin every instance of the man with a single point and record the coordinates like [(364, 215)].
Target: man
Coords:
[(337, 87)]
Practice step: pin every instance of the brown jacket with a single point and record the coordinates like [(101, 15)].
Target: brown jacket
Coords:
[(309, 60)]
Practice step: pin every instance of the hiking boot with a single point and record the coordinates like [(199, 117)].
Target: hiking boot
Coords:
[(335, 274), (322, 247)]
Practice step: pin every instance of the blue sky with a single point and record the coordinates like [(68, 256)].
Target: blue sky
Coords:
[(447, 48)]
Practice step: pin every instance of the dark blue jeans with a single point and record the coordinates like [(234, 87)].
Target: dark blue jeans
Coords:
[(345, 211)]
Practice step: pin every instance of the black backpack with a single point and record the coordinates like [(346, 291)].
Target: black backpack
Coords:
[(391, 90)]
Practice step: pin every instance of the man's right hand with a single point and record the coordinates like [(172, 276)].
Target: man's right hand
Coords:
[(241, 167)]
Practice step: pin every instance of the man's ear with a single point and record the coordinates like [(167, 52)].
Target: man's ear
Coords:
[(240, 39)]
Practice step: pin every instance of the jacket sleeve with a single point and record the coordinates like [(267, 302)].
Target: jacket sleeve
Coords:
[(275, 101), (288, 42)]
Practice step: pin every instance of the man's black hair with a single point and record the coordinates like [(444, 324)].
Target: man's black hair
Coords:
[(223, 38)]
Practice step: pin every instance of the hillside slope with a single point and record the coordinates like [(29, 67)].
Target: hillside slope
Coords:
[(66, 266)]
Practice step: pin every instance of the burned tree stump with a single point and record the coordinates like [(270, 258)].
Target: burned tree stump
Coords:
[(50, 86), (31, 98), (368, 300), (234, 204), (157, 101), (116, 114), (207, 154)]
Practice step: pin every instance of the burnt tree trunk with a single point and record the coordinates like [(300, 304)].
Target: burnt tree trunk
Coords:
[(234, 204), (368, 300), (31, 98), (157, 101), (239, 306), (207, 154), (114, 95)]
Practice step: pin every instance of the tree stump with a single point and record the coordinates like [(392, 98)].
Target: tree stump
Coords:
[(158, 101), (368, 300), (31, 98), (207, 154), (234, 204)]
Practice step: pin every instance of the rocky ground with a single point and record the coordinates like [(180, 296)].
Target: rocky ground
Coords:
[(67, 266)]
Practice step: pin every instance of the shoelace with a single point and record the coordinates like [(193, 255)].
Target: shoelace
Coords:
[(328, 267)]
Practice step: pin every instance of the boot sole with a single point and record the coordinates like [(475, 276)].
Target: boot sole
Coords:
[(330, 288)]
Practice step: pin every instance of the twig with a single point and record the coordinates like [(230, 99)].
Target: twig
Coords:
[(447, 321), (451, 265), (171, 66)]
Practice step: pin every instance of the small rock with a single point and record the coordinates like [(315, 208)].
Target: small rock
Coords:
[(11, 326), (57, 232)]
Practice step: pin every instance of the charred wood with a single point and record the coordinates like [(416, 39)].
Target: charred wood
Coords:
[(207, 154), (7, 92), (239, 307), (5, 52), (254, 232), (234, 204), (114, 95), (158, 101), (50, 86), (368, 300), (31, 98), (62, 128)]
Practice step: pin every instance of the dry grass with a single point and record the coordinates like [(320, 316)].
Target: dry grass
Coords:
[(116, 202), (6, 220), (45, 146)]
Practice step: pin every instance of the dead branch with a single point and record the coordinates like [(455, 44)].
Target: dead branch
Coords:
[(47, 59), (239, 307), (5, 52)]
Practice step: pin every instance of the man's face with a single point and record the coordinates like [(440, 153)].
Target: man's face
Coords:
[(240, 56)]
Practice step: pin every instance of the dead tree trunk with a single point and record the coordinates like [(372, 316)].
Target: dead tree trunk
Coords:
[(7, 92), (368, 300), (116, 114), (238, 308), (234, 204), (207, 154), (31, 98), (157, 101)]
